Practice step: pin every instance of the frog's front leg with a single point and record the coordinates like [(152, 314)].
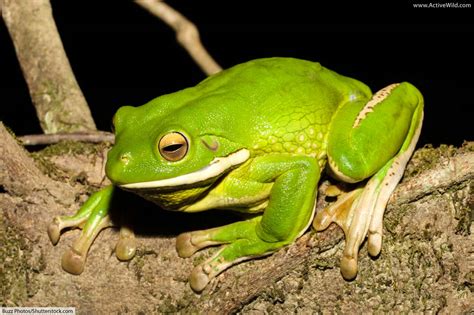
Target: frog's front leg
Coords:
[(374, 138), (292, 182), (92, 217)]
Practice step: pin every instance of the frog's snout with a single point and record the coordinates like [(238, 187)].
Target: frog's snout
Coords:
[(117, 164)]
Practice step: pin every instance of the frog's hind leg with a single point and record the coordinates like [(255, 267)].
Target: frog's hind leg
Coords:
[(398, 115), (388, 179), (189, 243), (241, 242)]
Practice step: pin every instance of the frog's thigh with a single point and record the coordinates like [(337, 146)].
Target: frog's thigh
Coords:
[(373, 139), (288, 214)]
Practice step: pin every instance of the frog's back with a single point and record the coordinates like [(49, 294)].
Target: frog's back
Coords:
[(288, 102), (267, 105)]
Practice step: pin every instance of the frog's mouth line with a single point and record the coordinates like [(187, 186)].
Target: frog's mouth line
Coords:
[(215, 168)]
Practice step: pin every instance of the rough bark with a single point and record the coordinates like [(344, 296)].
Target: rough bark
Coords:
[(59, 102), (425, 265)]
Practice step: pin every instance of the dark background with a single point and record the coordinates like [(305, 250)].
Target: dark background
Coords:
[(122, 55)]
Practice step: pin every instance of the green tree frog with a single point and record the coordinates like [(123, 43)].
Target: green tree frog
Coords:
[(255, 138)]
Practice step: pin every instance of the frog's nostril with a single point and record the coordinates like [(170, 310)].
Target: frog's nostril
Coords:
[(125, 158)]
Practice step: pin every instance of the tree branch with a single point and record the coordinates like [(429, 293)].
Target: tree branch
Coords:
[(423, 263), (56, 95), (19, 174), (93, 137), (187, 33)]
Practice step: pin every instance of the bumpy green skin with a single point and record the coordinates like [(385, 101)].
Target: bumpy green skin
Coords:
[(276, 105), (289, 114)]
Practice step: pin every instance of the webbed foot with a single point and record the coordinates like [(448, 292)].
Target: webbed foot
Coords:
[(341, 212), (205, 272)]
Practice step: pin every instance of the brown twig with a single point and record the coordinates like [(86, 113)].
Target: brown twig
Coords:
[(187, 33), (43, 139), (56, 95)]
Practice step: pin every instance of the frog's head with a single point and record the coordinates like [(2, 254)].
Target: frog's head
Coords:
[(170, 152)]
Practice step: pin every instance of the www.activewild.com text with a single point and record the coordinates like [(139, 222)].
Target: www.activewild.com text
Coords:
[(441, 5)]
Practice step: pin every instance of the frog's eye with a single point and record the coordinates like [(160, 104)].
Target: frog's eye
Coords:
[(173, 146)]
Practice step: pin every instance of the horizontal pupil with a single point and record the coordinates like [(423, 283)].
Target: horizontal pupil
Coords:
[(173, 147)]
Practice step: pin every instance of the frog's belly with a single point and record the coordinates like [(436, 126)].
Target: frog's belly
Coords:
[(249, 204), (173, 200), (195, 199)]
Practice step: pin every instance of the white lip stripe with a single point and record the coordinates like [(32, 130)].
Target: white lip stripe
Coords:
[(217, 166)]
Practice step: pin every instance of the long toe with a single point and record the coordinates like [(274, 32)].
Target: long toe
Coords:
[(73, 262), (374, 244), (126, 248), (349, 267), (199, 279), (54, 231), (184, 245)]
